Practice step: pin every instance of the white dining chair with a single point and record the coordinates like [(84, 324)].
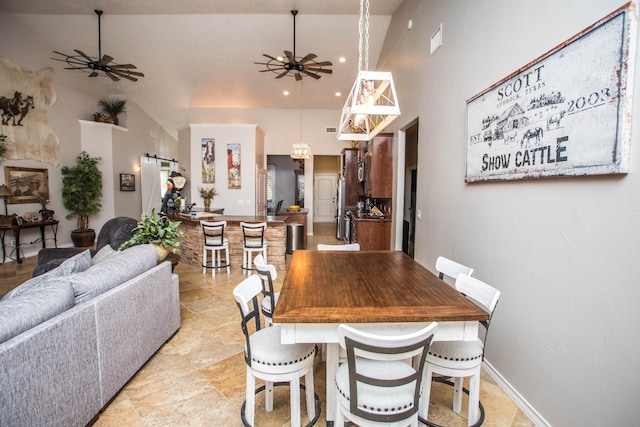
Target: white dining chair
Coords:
[(254, 239), (379, 385), (215, 242), (448, 269), (268, 274), (460, 359), (270, 360), (347, 247)]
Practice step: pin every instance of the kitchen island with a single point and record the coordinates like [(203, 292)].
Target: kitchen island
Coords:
[(191, 243)]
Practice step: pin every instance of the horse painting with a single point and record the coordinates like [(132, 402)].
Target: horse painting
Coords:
[(10, 108), (536, 133), (15, 108)]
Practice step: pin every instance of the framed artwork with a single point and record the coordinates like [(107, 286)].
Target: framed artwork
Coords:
[(26, 184), (127, 182), (208, 161), (234, 175), (567, 113)]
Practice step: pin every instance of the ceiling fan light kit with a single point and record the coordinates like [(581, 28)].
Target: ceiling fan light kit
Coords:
[(305, 66), (102, 64), (372, 103)]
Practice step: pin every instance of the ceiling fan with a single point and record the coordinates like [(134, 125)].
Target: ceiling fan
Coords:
[(103, 63), (300, 66)]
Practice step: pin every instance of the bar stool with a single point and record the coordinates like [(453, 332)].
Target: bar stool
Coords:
[(253, 240), (449, 270), (268, 274), (214, 241)]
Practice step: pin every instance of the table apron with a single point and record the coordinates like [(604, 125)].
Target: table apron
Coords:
[(291, 333)]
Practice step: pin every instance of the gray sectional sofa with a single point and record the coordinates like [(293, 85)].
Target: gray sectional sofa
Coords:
[(71, 338)]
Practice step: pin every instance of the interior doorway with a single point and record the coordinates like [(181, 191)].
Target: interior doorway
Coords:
[(410, 189), (326, 171)]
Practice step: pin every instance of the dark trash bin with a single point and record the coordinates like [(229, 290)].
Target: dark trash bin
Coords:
[(295, 237)]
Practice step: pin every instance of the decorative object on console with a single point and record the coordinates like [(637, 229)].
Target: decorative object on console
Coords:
[(103, 63), (157, 230), (25, 184), (31, 216), (207, 194), (81, 193), (306, 65), (372, 103), (43, 199), (110, 109), (25, 97)]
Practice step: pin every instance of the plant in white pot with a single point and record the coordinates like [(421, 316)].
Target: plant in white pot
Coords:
[(157, 230)]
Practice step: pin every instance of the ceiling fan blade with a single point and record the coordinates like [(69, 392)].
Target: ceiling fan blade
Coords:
[(112, 76), (124, 74), (319, 70), (84, 55), (308, 58), (105, 60), (319, 64), (93, 74), (289, 56), (126, 71), (309, 73), (298, 76), (281, 75), (127, 66)]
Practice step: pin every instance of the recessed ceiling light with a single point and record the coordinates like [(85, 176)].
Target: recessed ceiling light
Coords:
[(342, 59), (285, 93), (338, 94)]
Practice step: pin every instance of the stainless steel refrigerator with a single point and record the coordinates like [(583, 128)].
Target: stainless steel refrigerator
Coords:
[(341, 210)]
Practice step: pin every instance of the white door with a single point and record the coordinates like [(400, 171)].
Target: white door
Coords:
[(324, 197)]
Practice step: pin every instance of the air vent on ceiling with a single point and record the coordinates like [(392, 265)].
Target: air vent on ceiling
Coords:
[(330, 130)]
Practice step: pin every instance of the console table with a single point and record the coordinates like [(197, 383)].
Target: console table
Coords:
[(16, 233)]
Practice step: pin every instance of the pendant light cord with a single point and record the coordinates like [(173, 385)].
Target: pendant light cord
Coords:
[(363, 30)]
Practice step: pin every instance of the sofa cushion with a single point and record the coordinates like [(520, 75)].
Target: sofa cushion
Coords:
[(103, 254), (112, 271), (75, 264), (34, 306)]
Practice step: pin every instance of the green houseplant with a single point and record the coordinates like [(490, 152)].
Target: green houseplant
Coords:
[(157, 230), (81, 193), (109, 110)]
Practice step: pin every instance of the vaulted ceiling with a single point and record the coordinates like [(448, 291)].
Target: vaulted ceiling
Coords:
[(201, 54)]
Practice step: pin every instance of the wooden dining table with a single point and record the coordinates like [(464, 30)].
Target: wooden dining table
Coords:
[(385, 292)]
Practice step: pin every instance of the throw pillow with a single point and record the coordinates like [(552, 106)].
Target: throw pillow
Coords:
[(103, 254), (75, 264)]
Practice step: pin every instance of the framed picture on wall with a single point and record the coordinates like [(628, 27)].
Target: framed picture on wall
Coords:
[(127, 182), (27, 185)]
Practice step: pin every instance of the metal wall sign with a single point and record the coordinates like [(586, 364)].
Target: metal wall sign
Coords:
[(567, 113)]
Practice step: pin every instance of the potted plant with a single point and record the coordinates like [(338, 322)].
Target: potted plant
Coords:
[(81, 193), (207, 194), (110, 108), (157, 230)]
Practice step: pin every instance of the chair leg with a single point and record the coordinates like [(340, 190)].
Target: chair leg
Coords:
[(308, 384), (244, 260), (458, 384), (339, 417), (250, 406), (268, 396), (204, 260), (426, 392), (294, 401), (228, 262), (474, 397)]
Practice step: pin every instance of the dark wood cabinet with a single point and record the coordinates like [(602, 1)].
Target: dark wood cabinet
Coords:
[(378, 158), (353, 187), (372, 234)]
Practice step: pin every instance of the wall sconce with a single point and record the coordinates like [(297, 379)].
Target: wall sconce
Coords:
[(300, 151)]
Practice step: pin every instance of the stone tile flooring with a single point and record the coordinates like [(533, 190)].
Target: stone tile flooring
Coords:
[(198, 377)]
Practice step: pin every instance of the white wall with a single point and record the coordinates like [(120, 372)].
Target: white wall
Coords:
[(564, 251)]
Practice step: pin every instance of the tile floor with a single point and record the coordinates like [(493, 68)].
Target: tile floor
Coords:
[(198, 377)]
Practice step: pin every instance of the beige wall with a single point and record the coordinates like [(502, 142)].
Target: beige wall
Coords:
[(563, 251)]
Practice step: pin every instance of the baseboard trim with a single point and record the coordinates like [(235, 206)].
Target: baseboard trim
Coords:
[(522, 403)]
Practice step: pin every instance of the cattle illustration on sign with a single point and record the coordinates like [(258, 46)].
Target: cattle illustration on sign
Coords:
[(566, 113)]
